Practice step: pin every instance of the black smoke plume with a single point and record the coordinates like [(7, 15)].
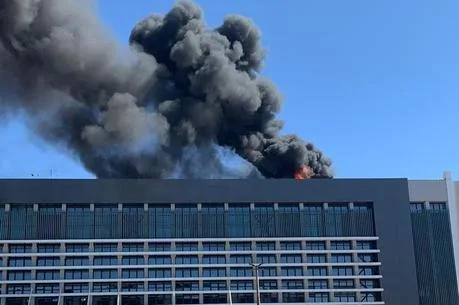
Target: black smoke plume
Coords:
[(168, 106)]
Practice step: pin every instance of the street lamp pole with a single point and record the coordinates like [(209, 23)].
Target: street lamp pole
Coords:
[(256, 267)]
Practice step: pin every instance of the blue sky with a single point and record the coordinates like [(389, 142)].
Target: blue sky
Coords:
[(375, 84)]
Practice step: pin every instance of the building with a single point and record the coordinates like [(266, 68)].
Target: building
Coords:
[(107, 242)]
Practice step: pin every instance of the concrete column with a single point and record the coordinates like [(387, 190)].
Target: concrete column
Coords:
[(453, 207)]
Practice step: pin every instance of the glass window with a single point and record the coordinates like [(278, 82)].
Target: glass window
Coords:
[(133, 247), (292, 284), (316, 258), (241, 285), (21, 248), (268, 284), (345, 297), (47, 288), (240, 246), (266, 258), (19, 275), (313, 215), (238, 217), (160, 260), (108, 247), (133, 273), (187, 286), (186, 259), (368, 271), (213, 259), (186, 221), (18, 289), (340, 245), (213, 246), (214, 272), (22, 222), (437, 206), (240, 259), (132, 286), (242, 271), (268, 271), (369, 284), (105, 287), (77, 261), (290, 245), (341, 258), (215, 298), (134, 217), (317, 271), (214, 285), (342, 271), (105, 274), (213, 221), (293, 297), (366, 245), (318, 284), (160, 286), (81, 217), (76, 274), (186, 247), (416, 207), (367, 297), (48, 261), (106, 221), (368, 257), (54, 248), (133, 260), (292, 271), (318, 297), (47, 275), (343, 284), (159, 247), (105, 260), (186, 272), (19, 262), (159, 273), (160, 221), (315, 245), (291, 258), (187, 299), (265, 246), (76, 288), (77, 248)]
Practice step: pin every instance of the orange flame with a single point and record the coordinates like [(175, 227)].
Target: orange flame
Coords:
[(304, 173)]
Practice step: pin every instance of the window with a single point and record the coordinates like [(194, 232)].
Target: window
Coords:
[(292, 284), (340, 245), (243, 272), (215, 298), (81, 217), (159, 273), (317, 271), (213, 221), (76, 288), (345, 297), (266, 258), (76, 274), (369, 284), (18, 289), (186, 247), (43, 275), (318, 297), (47, 288), (187, 286), (77, 248), (105, 260), (159, 247), (186, 259), (341, 258), (437, 206), (290, 258), (214, 272), (343, 284), (238, 217), (366, 245), (105, 274), (213, 259), (19, 262), (48, 261), (106, 247), (133, 260), (77, 261), (240, 259), (241, 285), (133, 247), (106, 221), (19, 275), (105, 287), (268, 284), (370, 297), (133, 273), (316, 258), (318, 284), (214, 285), (267, 271), (20, 248), (213, 246), (290, 245), (54, 248), (368, 271), (240, 246), (292, 271), (416, 207), (186, 272), (186, 299), (315, 245), (159, 286), (160, 260), (368, 257), (266, 246), (342, 271), (293, 297), (132, 286)]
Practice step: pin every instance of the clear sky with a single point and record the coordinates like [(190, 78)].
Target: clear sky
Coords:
[(374, 84)]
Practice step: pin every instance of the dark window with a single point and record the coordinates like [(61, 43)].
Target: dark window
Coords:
[(268, 284), (160, 260), (186, 247), (18, 289), (292, 271), (134, 218), (80, 217), (315, 245), (105, 287), (214, 285), (105, 260), (76, 288), (240, 246), (368, 271), (340, 245), (186, 259), (343, 284), (109, 247), (318, 284), (20, 248), (22, 223), (47, 275), (54, 248), (267, 271), (317, 271), (106, 221), (133, 273), (316, 258), (133, 260), (105, 274), (369, 284), (159, 286), (215, 298), (213, 246), (266, 258), (265, 246), (366, 245), (241, 285), (186, 299), (186, 223), (292, 284), (240, 259), (133, 247), (159, 273), (291, 258), (77, 248), (132, 286), (159, 247), (186, 272), (187, 286), (213, 223), (318, 297), (213, 259), (367, 297), (76, 274), (214, 272), (19, 262), (160, 222), (368, 257), (77, 261), (341, 258), (345, 297), (238, 217), (19, 275), (342, 271), (293, 297), (290, 245), (48, 261), (47, 288), (243, 271)]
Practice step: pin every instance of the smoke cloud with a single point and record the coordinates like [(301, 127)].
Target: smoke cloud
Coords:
[(175, 103)]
